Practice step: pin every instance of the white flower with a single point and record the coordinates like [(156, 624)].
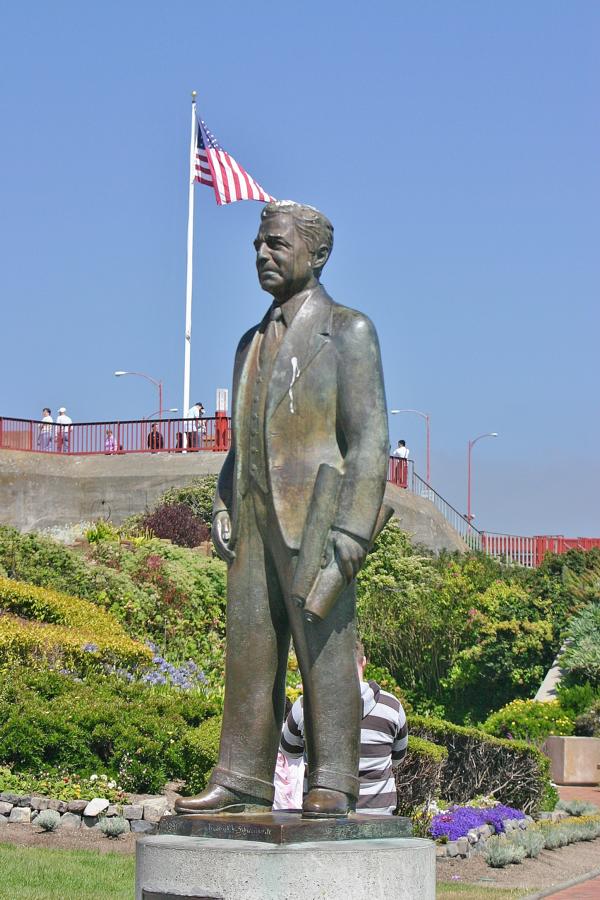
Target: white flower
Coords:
[(93, 778)]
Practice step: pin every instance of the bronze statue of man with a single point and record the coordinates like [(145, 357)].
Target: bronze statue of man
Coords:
[(307, 390)]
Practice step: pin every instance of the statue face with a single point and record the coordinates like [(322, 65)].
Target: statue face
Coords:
[(283, 260)]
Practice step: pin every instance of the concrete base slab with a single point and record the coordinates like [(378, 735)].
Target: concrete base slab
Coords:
[(175, 868)]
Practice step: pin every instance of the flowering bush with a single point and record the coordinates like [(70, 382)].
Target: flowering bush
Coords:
[(77, 649), (530, 720), (186, 676), (458, 820), (129, 732), (60, 785)]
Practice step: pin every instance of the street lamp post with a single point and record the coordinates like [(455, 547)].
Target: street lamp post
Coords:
[(171, 409), (472, 443), (156, 383), (425, 416)]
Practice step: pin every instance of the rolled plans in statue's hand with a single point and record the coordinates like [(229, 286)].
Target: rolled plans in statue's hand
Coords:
[(330, 582), (321, 513)]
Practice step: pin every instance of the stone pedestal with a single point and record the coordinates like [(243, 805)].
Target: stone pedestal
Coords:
[(170, 867), (573, 760)]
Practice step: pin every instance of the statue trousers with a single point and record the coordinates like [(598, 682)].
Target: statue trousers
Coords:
[(260, 619)]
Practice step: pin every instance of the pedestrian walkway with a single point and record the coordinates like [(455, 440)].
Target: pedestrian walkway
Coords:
[(587, 890), (588, 793)]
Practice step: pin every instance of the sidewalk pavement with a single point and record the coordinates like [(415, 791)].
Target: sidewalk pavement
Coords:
[(587, 890), (589, 793)]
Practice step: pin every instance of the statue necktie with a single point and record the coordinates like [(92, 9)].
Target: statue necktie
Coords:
[(272, 338)]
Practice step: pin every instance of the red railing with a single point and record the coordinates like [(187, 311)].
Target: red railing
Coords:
[(398, 471), (115, 438), (530, 551)]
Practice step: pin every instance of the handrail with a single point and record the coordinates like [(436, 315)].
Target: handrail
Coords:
[(116, 436), (470, 535)]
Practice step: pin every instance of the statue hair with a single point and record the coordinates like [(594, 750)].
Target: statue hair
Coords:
[(315, 229)]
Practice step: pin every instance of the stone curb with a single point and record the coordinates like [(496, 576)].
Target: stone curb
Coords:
[(476, 839), (563, 886), (142, 816)]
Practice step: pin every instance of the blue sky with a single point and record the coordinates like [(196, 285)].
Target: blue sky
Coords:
[(455, 147)]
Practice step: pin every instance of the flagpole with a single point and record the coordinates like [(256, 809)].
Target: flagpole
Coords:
[(190, 253)]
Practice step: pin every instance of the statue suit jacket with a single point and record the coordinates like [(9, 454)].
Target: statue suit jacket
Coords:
[(325, 404)]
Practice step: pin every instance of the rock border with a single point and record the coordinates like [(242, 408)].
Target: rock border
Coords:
[(142, 816), (476, 839)]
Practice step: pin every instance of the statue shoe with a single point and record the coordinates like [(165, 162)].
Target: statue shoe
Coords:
[(218, 799), (321, 803)]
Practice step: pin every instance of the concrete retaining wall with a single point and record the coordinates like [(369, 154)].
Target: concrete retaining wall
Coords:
[(40, 491)]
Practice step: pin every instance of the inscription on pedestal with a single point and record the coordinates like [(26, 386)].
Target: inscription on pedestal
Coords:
[(286, 827), (153, 895)]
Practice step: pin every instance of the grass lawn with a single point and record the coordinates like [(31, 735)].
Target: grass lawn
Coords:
[(34, 874), (452, 890), (38, 874)]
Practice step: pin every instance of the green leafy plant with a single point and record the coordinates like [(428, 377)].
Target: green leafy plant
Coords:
[(419, 775), (200, 750), (113, 826), (578, 807), (102, 531), (131, 733), (48, 820), (500, 852), (531, 839), (581, 658), (478, 763), (588, 723)]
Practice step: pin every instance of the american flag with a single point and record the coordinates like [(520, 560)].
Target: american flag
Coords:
[(219, 170)]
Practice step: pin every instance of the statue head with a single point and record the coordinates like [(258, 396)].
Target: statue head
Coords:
[(292, 246)]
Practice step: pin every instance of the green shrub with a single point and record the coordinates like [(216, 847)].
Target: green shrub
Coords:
[(529, 720), (581, 658), (531, 839), (60, 785), (514, 772), (169, 595), (48, 820), (578, 807), (499, 852), (131, 732), (114, 826), (588, 723), (555, 836), (198, 496), (419, 775), (576, 699), (200, 751), (550, 798), (102, 531)]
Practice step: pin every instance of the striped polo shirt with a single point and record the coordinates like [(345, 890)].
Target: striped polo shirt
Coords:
[(383, 742)]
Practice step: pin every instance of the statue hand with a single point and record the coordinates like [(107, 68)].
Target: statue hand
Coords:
[(349, 552), (221, 533)]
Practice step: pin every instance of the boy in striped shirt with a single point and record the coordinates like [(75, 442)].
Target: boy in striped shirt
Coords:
[(383, 742)]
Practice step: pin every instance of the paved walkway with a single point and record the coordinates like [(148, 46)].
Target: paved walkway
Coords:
[(587, 890), (590, 794)]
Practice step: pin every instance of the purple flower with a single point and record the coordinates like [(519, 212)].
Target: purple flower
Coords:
[(90, 648), (458, 820)]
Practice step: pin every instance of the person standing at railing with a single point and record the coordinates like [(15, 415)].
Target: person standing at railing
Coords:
[(401, 451), (155, 439), (63, 431), (194, 425), (45, 430), (110, 445), (400, 464)]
